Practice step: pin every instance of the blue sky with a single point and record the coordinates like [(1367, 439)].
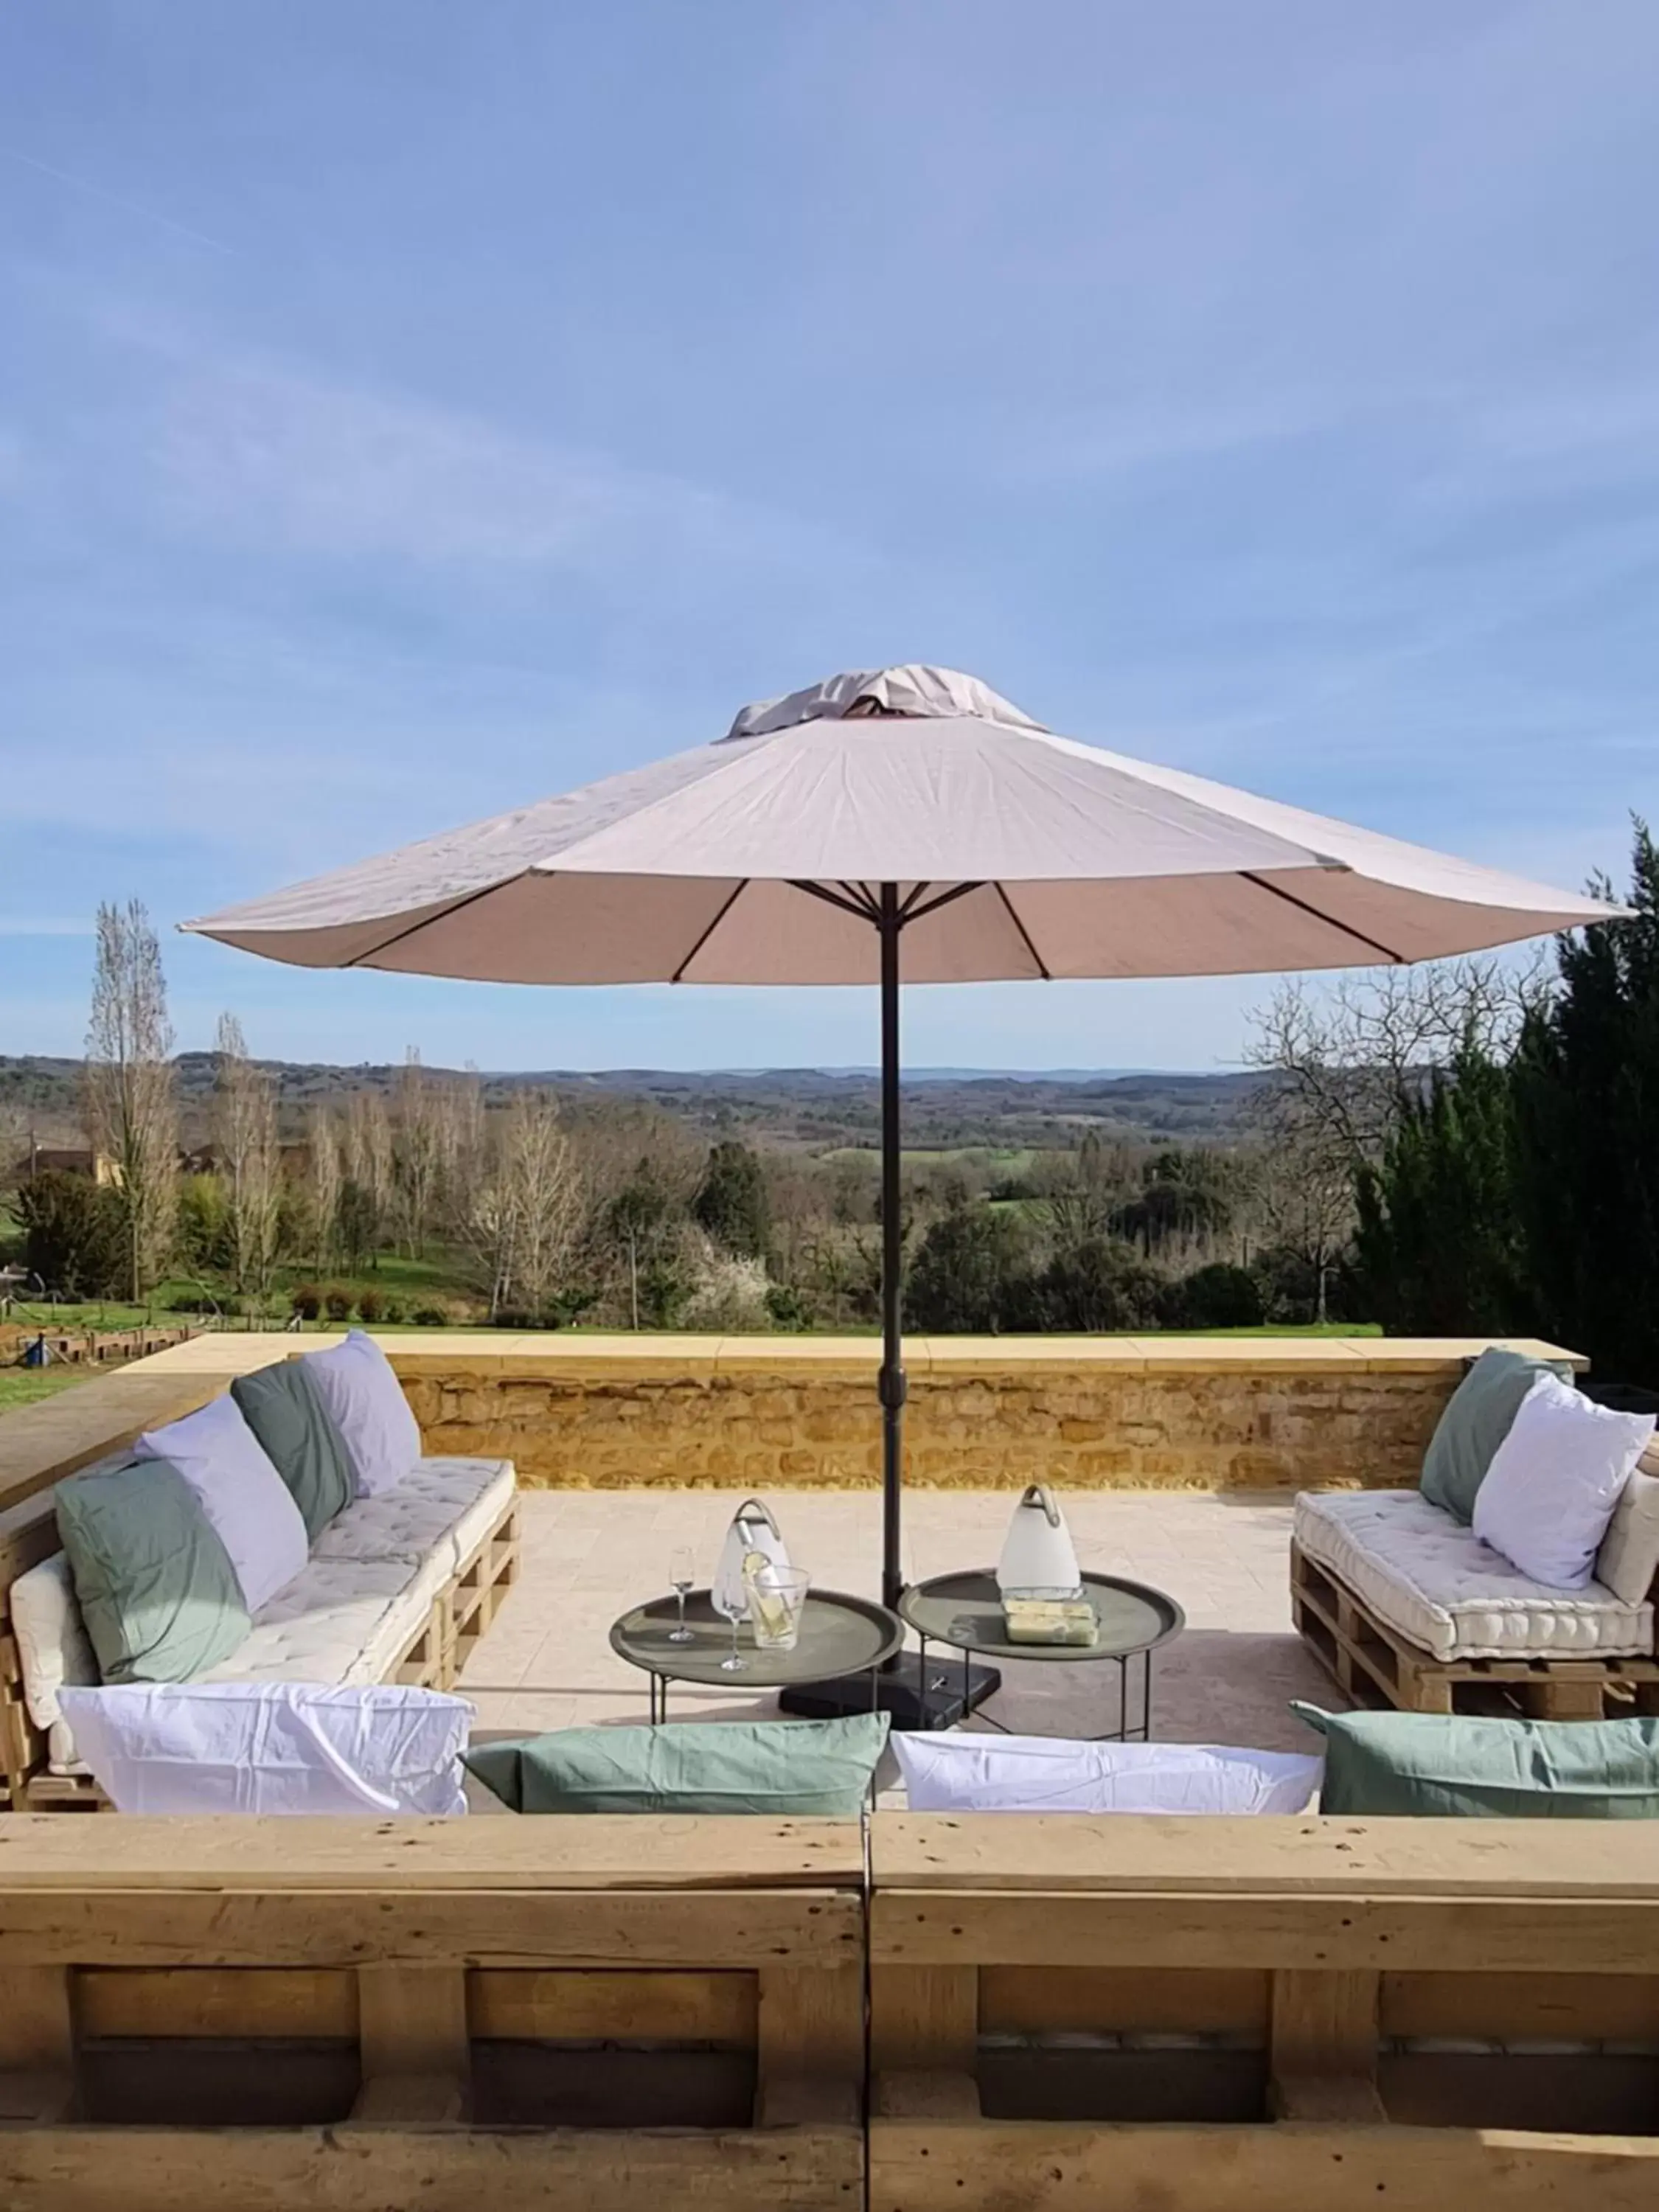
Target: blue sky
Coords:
[(408, 410)]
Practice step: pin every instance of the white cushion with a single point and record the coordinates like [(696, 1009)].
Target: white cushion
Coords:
[(1432, 1580), (1628, 1561), (244, 1498), (366, 1402), (170, 1747), (53, 1649), (343, 1620), (1555, 1479), (974, 1773), (438, 1515)]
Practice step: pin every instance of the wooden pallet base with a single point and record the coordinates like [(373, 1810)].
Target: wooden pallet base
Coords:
[(1375, 1666)]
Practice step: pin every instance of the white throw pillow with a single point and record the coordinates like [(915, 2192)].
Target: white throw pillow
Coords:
[(366, 1402), (271, 1747), (1628, 1560), (1555, 1481), (974, 1774), (242, 1495)]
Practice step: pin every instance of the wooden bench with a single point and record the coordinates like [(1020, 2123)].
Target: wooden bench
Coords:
[(432, 1657), (600, 2015), (1374, 1665), (1262, 2015)]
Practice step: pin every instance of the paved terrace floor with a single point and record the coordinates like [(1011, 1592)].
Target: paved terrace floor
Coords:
[(588, 1555)]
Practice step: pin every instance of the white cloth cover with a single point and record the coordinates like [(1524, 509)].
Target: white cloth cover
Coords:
[(1628, 1561), (248, 1502), (1551, 1491), (170, 1748), (1433, 1581), (366, 1402), (1069, 860), (974, 1774), (53, 1650)]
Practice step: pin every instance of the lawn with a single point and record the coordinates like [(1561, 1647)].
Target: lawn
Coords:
[(26, 1386)]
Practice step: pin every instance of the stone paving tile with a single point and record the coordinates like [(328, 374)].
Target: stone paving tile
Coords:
[(588, 1555)]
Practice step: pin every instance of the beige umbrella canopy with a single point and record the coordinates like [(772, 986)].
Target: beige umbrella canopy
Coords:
[(884, 806)]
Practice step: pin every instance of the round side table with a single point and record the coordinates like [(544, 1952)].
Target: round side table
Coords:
[(839, 1634), (965, 1611)]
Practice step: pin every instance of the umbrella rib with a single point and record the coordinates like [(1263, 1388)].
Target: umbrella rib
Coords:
[(945, 898), (852, 905), (455, 906), (726, 906), (1289, 898), (1024, 935)]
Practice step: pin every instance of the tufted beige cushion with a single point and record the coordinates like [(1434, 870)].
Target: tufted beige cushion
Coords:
[(342, 1621), (440, 1513), (1628, 1560), (1423, 1573)]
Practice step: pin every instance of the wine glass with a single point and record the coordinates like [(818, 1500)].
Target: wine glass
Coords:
[(681, 1572), (734, 1609)]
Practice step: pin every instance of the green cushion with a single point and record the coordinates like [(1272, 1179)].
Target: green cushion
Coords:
[(284, 1408), (691, 1767), (1450, 1764), (1475, 1422), (157, 1591)]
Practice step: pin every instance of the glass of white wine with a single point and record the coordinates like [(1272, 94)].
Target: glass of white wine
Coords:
[(681, 1572)]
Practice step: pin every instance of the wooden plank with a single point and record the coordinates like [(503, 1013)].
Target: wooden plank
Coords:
[(1026, 2000), (810, 2022), (794, 2100), (1326, 2099), (925, 2097), (591, 1852), (402, 2101), (1324, 2024), (1522, 2008), (1506, 1933), (925, 2166), (217, 2002), (366, 2169), (1299, 1856), (37, 2018), (613, 2007), (412, 2020), (365, 1927), (924, 2018)]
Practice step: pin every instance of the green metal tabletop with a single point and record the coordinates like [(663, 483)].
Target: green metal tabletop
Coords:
[(965, 1612), (839, 1634)]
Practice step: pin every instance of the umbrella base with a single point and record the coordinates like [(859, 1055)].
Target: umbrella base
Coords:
[(951, 1690)]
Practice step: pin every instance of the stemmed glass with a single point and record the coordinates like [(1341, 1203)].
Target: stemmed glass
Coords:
[(681, 1572), (734, 1610)]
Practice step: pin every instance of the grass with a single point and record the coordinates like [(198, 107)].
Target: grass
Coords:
[(26, 1386)]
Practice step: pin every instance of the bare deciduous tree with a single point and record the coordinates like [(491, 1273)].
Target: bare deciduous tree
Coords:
[(525, 1211), (418, 1150), (131, 1108), (369, 1166), (244, 1125), (326, 1173)]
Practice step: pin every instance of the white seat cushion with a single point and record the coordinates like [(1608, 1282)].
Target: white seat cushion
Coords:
[(343, 1620), (442, 1511), (1433, 1581), (969, 1772)]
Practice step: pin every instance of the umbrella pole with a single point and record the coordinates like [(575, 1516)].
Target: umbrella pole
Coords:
[(891, 1386)]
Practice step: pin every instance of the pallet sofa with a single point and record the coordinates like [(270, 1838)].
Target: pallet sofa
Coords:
[(398, 1588), (627, 2015), (1405, 1607)]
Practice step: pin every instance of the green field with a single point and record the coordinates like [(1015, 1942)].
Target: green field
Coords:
[(26, 1386)]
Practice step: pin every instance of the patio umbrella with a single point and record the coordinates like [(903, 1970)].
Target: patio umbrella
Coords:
[(897, 821)]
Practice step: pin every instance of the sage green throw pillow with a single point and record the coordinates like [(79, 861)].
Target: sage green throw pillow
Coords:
[(157, 1591), (1475, 1422), (284, 1408), (805, 1767), (1451, 1766)]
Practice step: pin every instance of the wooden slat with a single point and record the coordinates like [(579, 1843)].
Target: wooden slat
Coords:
[(924, 2018), (412, 2020), (926, 2167), (1522, 2008), (1027, 2000), (37, 2017), (1297, 1857), (397, 1926), (441, 2169), (811, 2023), (217, 2002), (954, 2097), (595, 1852), (1324, 2023), (1135, 1928), (613, 2007)]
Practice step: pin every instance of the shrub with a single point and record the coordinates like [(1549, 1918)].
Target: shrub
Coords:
[(337, 1302), (431, 1317), (371, 1306), (306, 1300), (391, 1309), (788, 1307), (1216, 1297), (730, 1294), (75, 1237)]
